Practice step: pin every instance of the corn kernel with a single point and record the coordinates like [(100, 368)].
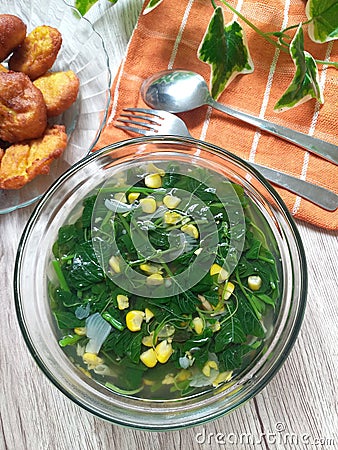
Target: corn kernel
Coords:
[(221, 377), (198, 325), (171, 202), (114, 264), (208, 366), (133, 196), (92, 360), (122, 301), (183, 375), (150, 269), (163, 351), (168, 379), (229, 289), (80, 331), (148, 314), (151, 168), (254, 282), (148, 341), (172, 217), (216, 326), (223, 274), (191, 230), (153, 180), (148, 205), (155, 279), (149, 358), (134, 320)]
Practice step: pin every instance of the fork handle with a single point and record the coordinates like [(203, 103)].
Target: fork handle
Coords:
[(314, 145), (316, 194)]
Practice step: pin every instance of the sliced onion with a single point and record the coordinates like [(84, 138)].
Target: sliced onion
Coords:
[(116, 206), (98, 330)]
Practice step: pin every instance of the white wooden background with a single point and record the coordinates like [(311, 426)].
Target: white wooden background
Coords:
[(297, 410)]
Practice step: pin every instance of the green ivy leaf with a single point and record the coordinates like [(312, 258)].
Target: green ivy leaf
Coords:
[(151, 5), (84, 5), (324, 20), (305, 84), (225, 49)]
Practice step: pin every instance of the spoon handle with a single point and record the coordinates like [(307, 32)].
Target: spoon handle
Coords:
[(317, 146), (316, 194)]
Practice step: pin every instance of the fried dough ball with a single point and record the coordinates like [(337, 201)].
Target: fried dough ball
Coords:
[(23, 162), (37, 53), (12, 33), (23, 112), (59, 90)]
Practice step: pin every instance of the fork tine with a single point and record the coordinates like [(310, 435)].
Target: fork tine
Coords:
[(133, 122), (134, 130), (150, 112), (136, 116)]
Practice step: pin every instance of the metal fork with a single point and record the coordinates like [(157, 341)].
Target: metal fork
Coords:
[(150, 122)]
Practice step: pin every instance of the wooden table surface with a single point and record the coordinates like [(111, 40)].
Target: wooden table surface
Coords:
[(297, 410)]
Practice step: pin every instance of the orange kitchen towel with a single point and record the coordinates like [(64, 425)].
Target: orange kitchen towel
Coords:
[(169, 36)]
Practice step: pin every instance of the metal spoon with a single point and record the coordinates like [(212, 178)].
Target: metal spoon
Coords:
[(180, 90)]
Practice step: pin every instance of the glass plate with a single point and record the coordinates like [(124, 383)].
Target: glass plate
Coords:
[(82, 51)]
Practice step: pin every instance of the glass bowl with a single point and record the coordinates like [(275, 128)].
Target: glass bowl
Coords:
[(33, 263), (84, 53)]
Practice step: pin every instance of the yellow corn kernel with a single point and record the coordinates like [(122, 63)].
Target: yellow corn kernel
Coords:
[(168, 379), (83, 370), (122, 301), (171, 202), (155, 279), (208, 366), (92, 360), (153, 180), (183, 375), (148, 382), (163, 351), (150, 269), (114, 264), (133, 196), (149, 358), (148, 341), (229, 289), (223, 274), (172, 217), (254, 282), (80, 331), (134, 320), (148, 314), (198, 325), (221, 377), (151, 168), (191, 230), (121, 197), (216, 326), (148, 205)]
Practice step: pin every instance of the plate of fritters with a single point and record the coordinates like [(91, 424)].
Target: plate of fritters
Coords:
[(54, 95)]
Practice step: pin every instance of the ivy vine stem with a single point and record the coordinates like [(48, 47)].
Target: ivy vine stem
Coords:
[(256, 29)]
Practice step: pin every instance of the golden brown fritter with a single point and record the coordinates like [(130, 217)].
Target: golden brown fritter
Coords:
[(23, 112), (59, 90), (23, 162), (37, 53), (12, 33)]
